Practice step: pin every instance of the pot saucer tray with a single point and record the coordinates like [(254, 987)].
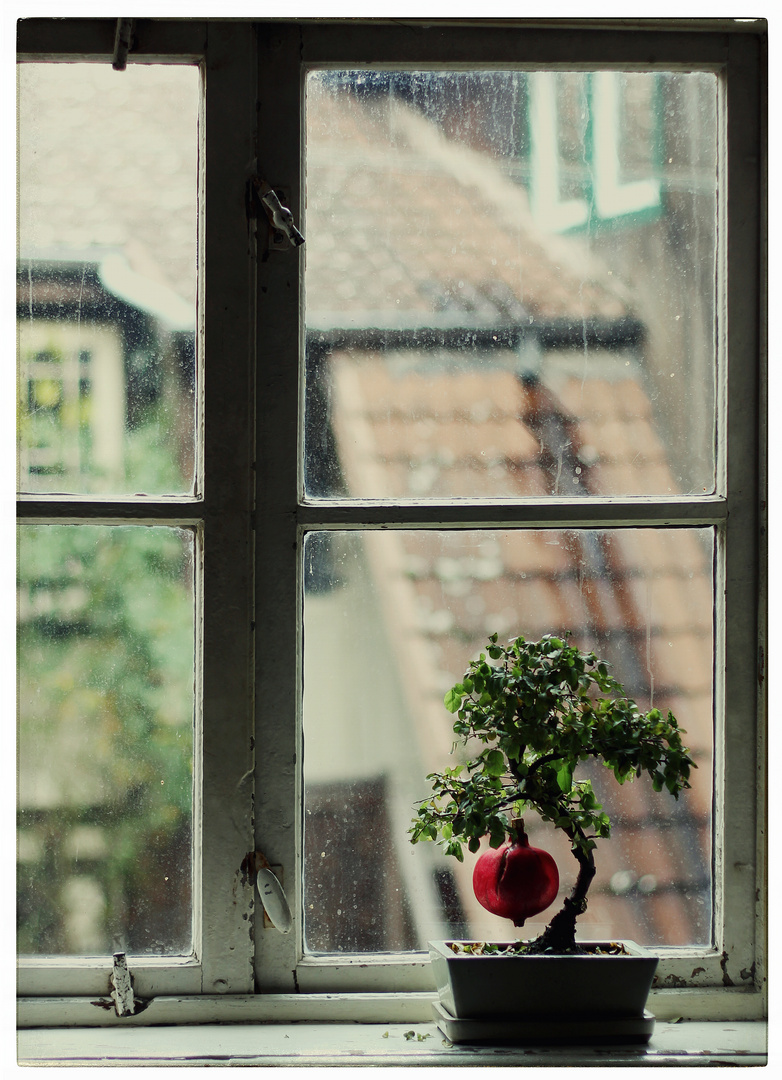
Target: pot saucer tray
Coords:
[(624, 1029)]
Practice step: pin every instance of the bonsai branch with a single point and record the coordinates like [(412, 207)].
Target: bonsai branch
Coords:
[(560, 934)]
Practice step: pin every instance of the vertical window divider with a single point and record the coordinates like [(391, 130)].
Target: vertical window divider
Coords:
[(227, 759), (279, 337)]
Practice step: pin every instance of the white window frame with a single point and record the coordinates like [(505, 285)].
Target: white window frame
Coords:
[(251, 338)]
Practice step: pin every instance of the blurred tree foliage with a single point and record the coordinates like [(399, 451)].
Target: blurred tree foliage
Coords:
[(106, 702)]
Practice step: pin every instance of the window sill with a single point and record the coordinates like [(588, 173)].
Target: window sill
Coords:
[(305, 1044)]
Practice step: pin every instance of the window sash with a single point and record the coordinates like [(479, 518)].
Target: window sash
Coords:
[(220, 511), (739, 365), (251, 312)]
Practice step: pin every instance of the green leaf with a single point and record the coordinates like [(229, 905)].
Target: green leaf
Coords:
[(513, 748), (454, 848), (494, 763), (565, 776), (453, 699)]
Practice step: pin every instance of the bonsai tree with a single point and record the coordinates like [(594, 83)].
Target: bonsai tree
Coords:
[(539, 708)]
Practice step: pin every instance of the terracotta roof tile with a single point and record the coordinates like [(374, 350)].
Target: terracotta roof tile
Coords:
[(694, 713), (606, 912), (591, 397), (670, 913), (412, 385), (701, 792), (650, 853), (541, 551), (452, 442), (634, 403), (602, 597), (529, 479), (497, 424), (495, 481)]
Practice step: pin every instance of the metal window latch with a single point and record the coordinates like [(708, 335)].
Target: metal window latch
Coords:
[(271, 892), (280, 218)]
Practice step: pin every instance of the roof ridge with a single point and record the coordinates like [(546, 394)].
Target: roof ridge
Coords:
[(473, 169)]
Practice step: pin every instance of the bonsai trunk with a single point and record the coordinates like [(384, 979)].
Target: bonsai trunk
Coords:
[(560, 934)]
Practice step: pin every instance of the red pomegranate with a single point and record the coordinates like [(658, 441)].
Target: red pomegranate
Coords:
[(515, 880)]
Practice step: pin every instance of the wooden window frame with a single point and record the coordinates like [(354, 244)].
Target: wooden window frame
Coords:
[(252, 514)]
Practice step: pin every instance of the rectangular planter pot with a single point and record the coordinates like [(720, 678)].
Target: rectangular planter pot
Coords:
[(607, 993)]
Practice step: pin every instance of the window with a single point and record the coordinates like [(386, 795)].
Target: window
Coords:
[(511, 381)]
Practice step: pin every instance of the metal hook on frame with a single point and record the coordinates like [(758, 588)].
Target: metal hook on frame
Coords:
[(280, 218), (123, 37)]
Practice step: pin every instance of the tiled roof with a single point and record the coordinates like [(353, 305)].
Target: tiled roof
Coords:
[(445, 409), (459, 244), (401, 221), (131, 184)]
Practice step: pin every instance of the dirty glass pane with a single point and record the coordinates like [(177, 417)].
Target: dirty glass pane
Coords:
[(391, 621), (106, 278), (510, 283), (106, 706)]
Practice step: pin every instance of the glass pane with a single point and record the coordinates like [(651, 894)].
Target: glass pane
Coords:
[(106, 704), (106, 278), (391, 621), (510, 283)]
